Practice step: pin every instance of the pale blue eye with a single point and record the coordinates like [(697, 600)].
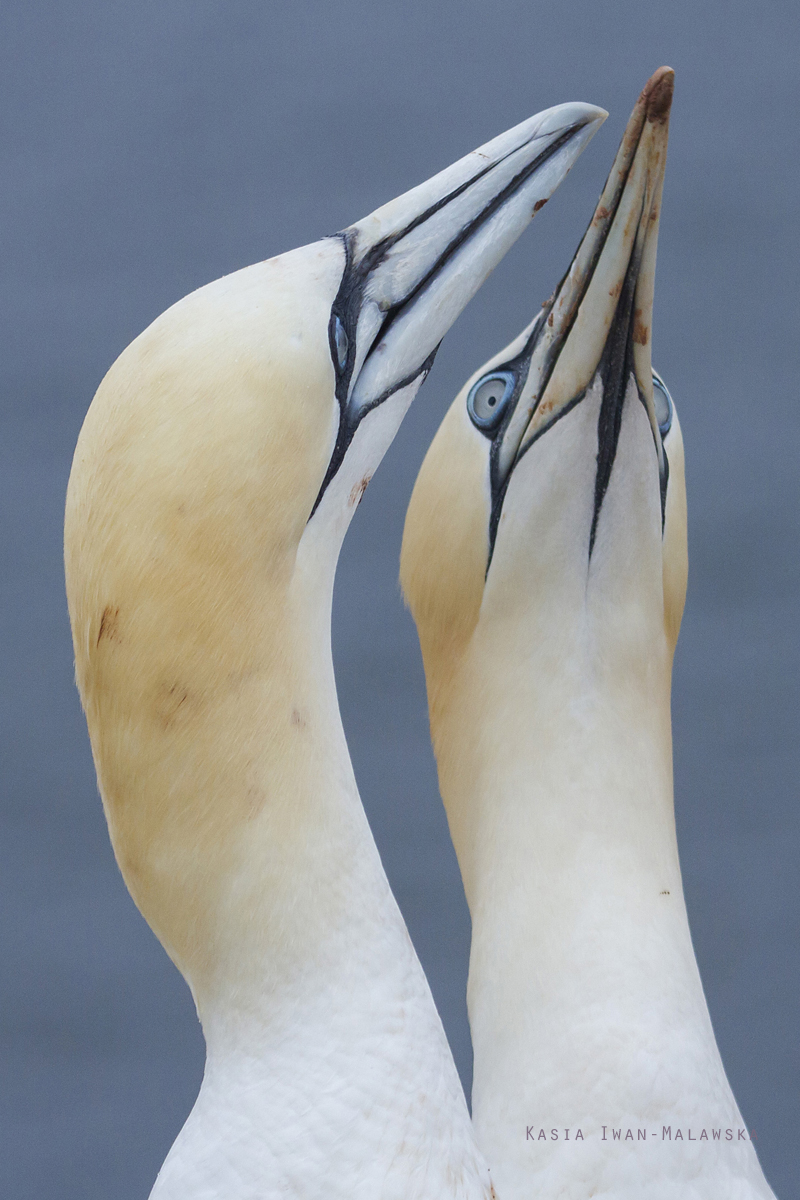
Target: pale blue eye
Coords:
[(341, 342), (488, 399), (663, 404)]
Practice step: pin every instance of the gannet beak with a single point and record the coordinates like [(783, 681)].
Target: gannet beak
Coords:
[(600, 316), (413, 265)]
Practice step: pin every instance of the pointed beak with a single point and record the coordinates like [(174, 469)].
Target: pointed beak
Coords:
[(414, 264), (600, 316)]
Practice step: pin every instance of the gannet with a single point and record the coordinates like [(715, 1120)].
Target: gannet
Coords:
[(544, 561), (214, 478)]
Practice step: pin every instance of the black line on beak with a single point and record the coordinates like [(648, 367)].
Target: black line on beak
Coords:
[(345, 436), (473, 226), (616, 368), (350, 297), (499, 486)]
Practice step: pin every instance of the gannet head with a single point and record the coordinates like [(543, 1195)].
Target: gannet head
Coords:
[(215, 475), (548, 521)]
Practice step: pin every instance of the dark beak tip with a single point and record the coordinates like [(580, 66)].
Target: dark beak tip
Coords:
[(657, 95)]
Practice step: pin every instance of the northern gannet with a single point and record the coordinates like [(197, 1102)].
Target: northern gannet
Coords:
[(544, 560), (214, 478)]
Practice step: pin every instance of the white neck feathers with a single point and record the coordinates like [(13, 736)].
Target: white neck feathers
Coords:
[(585, 1002)]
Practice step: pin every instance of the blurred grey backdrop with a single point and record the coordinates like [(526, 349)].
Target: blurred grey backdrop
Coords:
[(150, 146)]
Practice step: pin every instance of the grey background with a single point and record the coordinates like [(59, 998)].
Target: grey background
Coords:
[(152, 145)]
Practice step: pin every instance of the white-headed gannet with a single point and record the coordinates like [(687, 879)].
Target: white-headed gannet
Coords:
[(544, 560), (214, 478)]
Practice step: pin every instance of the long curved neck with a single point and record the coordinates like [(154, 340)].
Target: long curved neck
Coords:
[(585, 1002), (237, 822)]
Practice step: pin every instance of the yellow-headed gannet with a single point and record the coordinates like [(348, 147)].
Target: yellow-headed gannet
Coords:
[(214, 478), (544, 560)]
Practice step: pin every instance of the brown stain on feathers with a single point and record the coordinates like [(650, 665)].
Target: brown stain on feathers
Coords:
[(358, 491), (172, 701), (298, 720), (109, 625)]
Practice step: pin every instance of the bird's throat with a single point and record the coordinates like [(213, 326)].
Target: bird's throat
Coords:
[(585, 1002)]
